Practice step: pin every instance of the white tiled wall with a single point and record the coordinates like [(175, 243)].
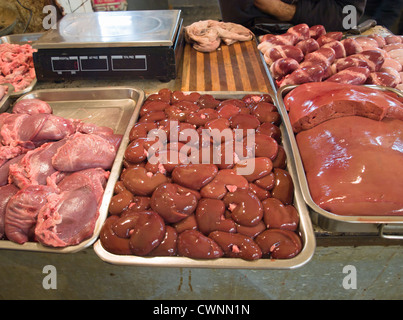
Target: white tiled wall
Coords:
[(76, 5)]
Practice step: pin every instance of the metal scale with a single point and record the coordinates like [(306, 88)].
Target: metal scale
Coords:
[(124, 44)]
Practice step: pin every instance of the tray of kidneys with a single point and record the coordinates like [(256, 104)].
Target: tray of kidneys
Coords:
[(207, 180)]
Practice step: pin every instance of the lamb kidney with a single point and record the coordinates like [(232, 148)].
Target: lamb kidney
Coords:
[(120, 202), (194, 176), (193, 244), (262, 166), (265, 112), (278, 216), (142, 183), (168, 246), (152, 106), (283, 186), (202, 116), (246, 208), (210, 216), (236, 245), (265, 146), (225, 180), (279, 244), (110, 241), (141, 129), (145, 230), (137, 150), (207, 101), (174, 202)]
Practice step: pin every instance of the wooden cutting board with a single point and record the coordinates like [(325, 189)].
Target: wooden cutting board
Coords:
[(237, 67)]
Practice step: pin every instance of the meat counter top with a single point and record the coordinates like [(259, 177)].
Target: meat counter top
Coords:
[(84, 276), (226, 69)]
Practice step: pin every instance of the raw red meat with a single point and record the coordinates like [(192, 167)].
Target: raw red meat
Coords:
[(313, 103), (31, 155), (353, 75), (6, 192), (84, 151), (302, 75), (30, 106), (281, 67), (22, 211), (69, 217), (16, 65), (386, 79), (5, 169), (279, 52), (308, 45), (36, 166), (349, 161)]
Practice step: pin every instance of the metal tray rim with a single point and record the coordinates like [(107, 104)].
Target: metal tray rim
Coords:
[(108, 192), (306, 229), (11, 39), (301, 172)]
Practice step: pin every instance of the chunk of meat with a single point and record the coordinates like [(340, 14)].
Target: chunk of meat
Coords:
[(84, 151), (302, 75), (313, 103), (6, 192), (386, 79), (351, 46), (69, 217), (279, 52), (308, 45), (353, 75), (35, 166), (22, 211), (282, 67), (345, 166), (31, 106)]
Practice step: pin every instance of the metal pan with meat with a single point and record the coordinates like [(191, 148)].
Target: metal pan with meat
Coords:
[(219, 196), (347, 145), (311, 54), (16, 62), (60, 159)]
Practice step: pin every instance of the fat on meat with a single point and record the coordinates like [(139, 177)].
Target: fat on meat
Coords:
[(313, 73), (282, 67), (84, 151), (69, 216), (397, 54), (382, 78), (351, 46), (353, 75), (286, 51), (16, 65), (392, 63), (35, 167)]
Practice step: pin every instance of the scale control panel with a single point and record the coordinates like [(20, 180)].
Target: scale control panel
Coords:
[(98, 63)]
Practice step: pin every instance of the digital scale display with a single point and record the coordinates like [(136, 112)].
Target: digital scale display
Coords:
[(74, 64)]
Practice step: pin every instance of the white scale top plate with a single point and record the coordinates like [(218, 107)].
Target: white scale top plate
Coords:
[(113, 29)]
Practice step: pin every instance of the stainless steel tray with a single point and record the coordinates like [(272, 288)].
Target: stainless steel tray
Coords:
[(305, 230), (5, 102), (328, 220), (114, 107), (27, 38)]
